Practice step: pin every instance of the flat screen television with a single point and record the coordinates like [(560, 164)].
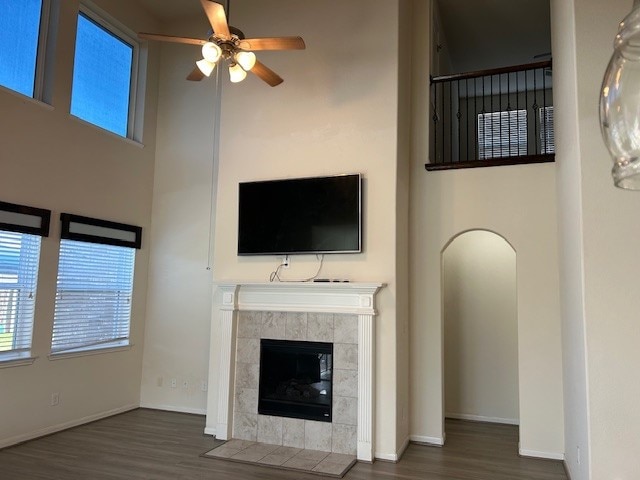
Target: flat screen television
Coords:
[(300, 216)]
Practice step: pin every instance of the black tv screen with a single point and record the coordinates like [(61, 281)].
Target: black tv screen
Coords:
[(302, 215)]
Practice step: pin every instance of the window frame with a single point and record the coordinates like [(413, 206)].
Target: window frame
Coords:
[(34, 222), (546, 130), (42, 81), (522, 145), (79, 229), (113, 27)]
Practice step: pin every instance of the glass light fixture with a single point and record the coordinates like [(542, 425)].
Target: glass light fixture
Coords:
[(236, 73), (246, 60), (211, 52), (620, 103), (205, 66)]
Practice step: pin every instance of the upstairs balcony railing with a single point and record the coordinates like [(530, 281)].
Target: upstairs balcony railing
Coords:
[(493, 117)]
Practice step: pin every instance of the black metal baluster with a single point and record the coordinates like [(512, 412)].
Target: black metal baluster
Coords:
[(443, 121), (435, 122), (534, 107), (459, 116), (544, 110), (466, 122)]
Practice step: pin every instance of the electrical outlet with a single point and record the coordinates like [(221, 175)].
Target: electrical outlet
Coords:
[(174, 383), (203, 385), (55, 399), (285, 262), (185, 384)]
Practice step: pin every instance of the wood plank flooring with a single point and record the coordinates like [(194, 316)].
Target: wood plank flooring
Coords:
[(150, 444)]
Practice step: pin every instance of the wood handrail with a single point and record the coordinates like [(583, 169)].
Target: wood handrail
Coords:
[(493, 71)]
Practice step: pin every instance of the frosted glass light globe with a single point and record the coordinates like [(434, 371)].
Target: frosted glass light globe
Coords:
[(211, 52), (246, 60), (236, 73), (620, 103)]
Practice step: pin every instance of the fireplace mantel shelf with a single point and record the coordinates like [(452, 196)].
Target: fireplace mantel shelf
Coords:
[(319, 297)]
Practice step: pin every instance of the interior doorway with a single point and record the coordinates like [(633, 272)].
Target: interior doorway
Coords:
[(480, 328)]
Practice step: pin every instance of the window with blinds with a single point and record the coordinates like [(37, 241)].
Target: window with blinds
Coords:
[(19, 257), (93, 297), (547, 137), (502, 134)]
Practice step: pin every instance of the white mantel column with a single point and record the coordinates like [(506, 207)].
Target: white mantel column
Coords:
[(226, 360)]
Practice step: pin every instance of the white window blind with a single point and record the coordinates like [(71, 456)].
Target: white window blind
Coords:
[(547, 136), (502, 134), (19, 256), (93, 297)]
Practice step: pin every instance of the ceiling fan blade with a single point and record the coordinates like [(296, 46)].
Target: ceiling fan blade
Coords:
[(196, 75), (273, 43), (169, 38), (266, 74), (217, 18)]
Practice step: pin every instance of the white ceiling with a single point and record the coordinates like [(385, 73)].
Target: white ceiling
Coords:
[(479, 34), (483, 34), (166, 10)]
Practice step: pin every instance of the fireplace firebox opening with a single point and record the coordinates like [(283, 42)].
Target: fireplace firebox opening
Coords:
[(296, 379)]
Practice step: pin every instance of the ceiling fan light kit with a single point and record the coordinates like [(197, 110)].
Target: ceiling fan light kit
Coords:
[(229, 44), (236, 73)]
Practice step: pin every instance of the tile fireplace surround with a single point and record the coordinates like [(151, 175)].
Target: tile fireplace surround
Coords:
[(311, 311)]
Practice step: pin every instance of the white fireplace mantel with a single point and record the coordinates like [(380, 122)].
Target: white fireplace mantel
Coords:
[(318, 297)]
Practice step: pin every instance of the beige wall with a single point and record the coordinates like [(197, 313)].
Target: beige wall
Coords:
[(570, 231), (480, 328), (336, 112), (610, 227), (518, 203), (53, 161), (179, 298)]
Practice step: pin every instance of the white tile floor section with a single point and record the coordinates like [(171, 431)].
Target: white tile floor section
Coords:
[(290, 458)]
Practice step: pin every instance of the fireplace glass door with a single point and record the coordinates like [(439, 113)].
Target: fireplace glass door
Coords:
[(296, 379)]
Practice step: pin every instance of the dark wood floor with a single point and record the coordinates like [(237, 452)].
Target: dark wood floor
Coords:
[(149, 444)]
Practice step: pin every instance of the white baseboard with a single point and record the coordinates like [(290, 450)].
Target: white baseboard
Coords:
[(393, 457), (482, 418), (210, 431), (386, 457), (174, 408), (438, 441), (536, 454), (7, 442)]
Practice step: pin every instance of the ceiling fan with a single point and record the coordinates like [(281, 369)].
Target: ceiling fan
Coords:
[(229, 44)]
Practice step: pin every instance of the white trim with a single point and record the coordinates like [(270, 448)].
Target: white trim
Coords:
[(27, 99), (17, 361), (386, 457), (174, 408), (481, 418), (438, 441), (536, 454), (210, 431), (403, 447), (86, 351), (394, 457), (345, 298), (128, 140), (64, 426)]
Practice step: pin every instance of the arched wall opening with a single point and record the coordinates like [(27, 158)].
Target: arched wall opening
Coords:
[(480, 328)]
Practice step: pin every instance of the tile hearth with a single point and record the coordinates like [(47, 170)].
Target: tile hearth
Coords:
[(290, 458)]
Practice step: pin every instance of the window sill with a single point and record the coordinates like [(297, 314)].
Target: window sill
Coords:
[(491, 162), (128, 140), (15, 360), (26, 98), (83, 352)]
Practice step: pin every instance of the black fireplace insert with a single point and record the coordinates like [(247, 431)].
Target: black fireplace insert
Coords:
[(296, 379)]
